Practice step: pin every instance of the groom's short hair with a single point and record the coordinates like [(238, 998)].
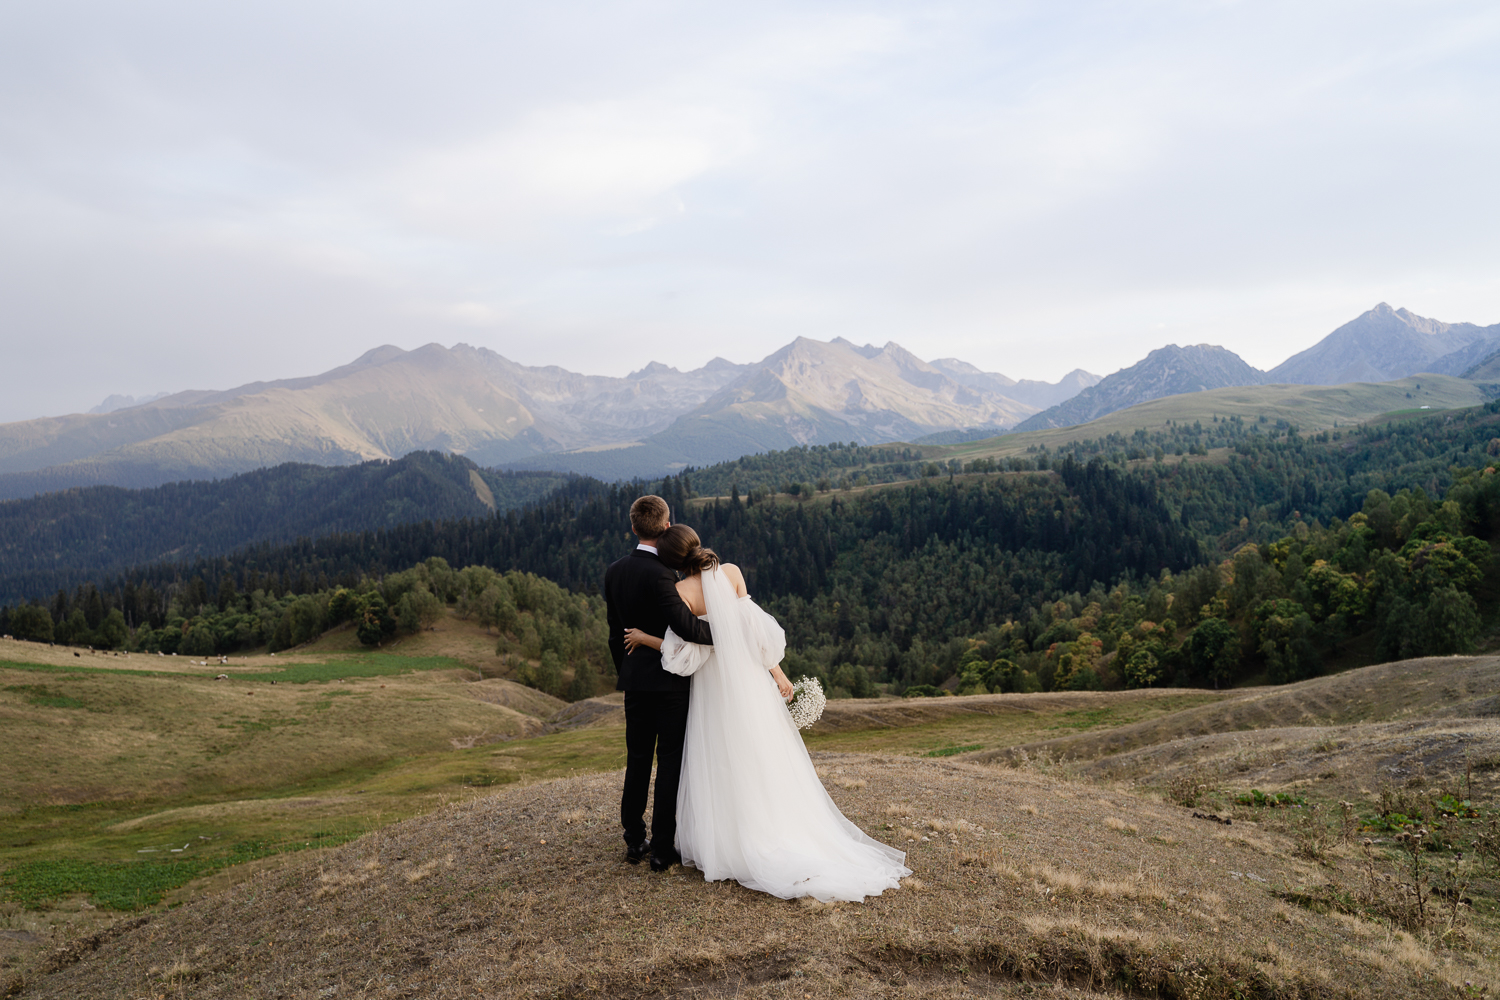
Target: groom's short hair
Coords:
[(649, 516)]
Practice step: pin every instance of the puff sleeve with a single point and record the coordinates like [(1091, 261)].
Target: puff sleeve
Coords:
[(766, 635), (680, 657)]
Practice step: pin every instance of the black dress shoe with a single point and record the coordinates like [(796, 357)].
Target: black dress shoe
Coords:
[(635, 852), (661, 862)]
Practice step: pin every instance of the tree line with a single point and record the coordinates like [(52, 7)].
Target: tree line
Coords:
[(548, 637)]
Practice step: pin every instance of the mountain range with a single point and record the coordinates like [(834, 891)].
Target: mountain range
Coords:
[(1380, 345), (472, 401), (390, 402)]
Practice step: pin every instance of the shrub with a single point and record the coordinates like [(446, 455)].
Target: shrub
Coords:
[(1143, 669), (374, 623), (200, 641), (31, 622), (924, 691)]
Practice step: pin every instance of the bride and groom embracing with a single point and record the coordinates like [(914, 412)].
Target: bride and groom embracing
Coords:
[(736, 794)]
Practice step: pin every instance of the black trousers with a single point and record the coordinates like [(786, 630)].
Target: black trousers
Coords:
[(655, 725)]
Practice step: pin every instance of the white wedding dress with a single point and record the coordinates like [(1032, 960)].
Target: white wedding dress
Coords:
[(750, 806)]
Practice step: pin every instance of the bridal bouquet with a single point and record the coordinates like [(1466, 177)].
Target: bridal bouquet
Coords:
[(807, 702)]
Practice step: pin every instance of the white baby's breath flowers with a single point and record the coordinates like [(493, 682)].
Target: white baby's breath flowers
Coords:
[(807, 702)]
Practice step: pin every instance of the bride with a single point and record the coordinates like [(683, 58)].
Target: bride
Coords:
[(750, 806)]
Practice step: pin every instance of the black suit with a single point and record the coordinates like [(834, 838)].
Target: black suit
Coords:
[(641, 592)]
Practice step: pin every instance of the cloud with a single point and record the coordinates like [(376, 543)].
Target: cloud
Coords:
[(609, 164), (197, 195)]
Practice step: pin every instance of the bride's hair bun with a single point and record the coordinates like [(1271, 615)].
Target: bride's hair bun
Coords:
[(681, 549)]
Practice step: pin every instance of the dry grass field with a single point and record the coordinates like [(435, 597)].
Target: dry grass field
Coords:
[(452, 834)]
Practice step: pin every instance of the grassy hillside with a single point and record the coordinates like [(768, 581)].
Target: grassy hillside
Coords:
[(1076, 873), (1309, 407)]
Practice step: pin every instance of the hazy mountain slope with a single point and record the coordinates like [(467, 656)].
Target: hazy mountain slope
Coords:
[(1486, 370), (809, 392), (584, 410), (60, 539), (120, 402), (1469, 356), (1166, 371), (1028, 391), (423, 399), (385, 404), (1383, 344), (1047, 394)]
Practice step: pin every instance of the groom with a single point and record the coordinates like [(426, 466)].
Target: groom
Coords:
[(641, 592)]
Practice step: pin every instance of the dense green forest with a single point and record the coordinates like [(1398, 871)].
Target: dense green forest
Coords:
[(1228, 551), (546, 636), (66, 538)]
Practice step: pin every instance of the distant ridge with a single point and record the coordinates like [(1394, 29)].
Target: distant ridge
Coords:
[(1029, 391), (1166, 371), (119, 402)]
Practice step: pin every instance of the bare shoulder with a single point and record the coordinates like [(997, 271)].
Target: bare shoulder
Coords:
[(691, 589), (735, 577)]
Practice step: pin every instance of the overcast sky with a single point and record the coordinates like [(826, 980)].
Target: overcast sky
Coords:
[(196, 196)]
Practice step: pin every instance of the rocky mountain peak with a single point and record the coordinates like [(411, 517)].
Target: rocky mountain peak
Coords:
[(1166, 371)]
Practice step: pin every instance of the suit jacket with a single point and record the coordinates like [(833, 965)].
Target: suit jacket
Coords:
[(641, 592)]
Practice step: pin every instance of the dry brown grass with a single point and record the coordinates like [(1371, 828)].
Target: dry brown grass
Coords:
[(1423, 691), (853, 715), (525, 892)]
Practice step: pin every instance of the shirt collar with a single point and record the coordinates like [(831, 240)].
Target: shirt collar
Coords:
[(649, 548)]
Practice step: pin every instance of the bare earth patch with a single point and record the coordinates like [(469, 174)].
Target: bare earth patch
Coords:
[(1023, 880)]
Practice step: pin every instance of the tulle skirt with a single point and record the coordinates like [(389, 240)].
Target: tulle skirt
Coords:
[(750, 807)]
